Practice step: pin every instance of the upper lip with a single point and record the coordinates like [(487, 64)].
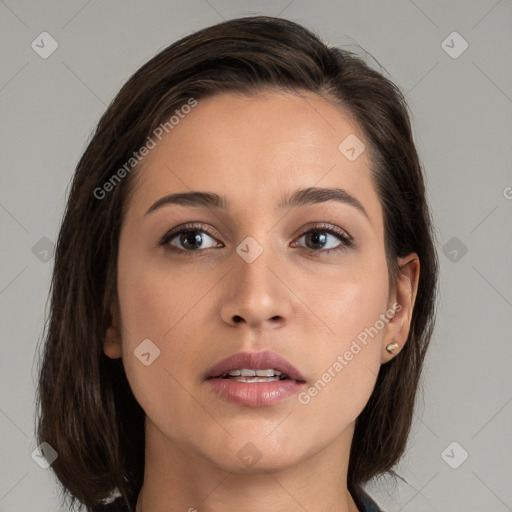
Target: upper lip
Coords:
[(256, 361)]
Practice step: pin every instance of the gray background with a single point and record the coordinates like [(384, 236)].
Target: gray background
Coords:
[(463, 128)]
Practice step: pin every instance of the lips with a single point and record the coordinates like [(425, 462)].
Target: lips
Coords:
[(248, 390), (256, 361)]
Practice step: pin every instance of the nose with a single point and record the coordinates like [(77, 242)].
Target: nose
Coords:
[(257, 293)]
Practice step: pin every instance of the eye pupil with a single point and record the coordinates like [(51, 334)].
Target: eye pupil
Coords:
[(191, 238), (317, 237)]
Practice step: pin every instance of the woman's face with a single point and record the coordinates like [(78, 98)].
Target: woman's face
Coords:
[(252, 279)]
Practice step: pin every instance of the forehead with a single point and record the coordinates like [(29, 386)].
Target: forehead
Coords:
[(255, 149)]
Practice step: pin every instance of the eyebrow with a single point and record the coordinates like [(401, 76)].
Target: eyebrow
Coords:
[(301, 197)]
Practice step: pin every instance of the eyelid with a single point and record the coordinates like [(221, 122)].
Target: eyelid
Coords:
[(326, 226)]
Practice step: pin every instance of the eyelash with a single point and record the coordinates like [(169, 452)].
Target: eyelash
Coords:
[(345, 239)]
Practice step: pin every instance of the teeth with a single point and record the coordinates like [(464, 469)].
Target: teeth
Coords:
[(256, 379), (254, 373), (267, 373)]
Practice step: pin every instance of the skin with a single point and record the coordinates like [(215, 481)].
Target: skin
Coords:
[(294, 299)]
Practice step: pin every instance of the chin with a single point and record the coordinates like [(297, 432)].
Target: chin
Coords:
[(241, 455), (267, 463)]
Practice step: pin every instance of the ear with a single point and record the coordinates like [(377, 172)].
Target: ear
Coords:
[(402, 302), (112, 341)]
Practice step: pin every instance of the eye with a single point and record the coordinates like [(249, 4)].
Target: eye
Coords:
[(188, 238), (319, 235)]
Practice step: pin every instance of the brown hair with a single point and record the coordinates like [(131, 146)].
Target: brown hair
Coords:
[(87, 411)]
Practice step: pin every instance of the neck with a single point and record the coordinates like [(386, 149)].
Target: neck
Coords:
[(179, 480)]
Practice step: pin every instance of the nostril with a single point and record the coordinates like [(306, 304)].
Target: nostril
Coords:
[(237, 319)]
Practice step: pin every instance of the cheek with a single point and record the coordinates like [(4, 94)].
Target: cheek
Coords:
[(154, 304), (351, 303), (347, 358), (151, 308)]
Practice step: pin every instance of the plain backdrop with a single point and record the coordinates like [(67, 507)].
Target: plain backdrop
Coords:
[(453, 62)]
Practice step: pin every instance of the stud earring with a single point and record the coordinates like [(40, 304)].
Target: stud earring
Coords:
[(392, 347)]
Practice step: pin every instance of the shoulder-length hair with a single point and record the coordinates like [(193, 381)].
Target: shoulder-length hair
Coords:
[(86, 409)]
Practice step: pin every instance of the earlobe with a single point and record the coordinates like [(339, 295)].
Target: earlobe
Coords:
[(111, 346), (398, 327), (112, 341)]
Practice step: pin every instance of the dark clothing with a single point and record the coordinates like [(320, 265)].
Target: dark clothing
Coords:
[(365, 503)]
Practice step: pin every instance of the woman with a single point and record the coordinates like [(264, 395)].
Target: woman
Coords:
[(244, 283)]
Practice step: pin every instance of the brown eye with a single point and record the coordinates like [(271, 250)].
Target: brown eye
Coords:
[(188, 239), (320, 239)]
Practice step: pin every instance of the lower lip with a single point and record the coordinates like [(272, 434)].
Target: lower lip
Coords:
[(256, 394)]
